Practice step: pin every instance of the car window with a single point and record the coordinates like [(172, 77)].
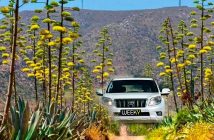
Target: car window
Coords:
[(130, 86)]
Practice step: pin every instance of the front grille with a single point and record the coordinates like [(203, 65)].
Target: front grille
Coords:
[(130, 103)]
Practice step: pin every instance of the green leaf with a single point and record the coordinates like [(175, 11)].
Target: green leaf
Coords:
[(34, 123), (26, 117)]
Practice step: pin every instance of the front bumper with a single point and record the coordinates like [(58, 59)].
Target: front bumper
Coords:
[(151, 117), (138, 119)]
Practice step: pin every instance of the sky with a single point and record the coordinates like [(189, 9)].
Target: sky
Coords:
[(114, 5)]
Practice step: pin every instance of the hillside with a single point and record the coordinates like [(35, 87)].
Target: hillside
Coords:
[(134, 34)]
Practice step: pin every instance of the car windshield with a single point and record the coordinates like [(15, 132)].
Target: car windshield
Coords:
[(129, 86)]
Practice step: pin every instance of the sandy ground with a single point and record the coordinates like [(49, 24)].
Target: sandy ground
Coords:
[(124, 135)]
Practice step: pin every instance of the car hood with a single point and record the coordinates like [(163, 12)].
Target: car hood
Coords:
[(130, 95)]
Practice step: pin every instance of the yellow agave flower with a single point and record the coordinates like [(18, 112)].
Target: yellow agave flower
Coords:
[(167, 67), (163, 54), (53, 75), (29, 62), (162, 74), (5, 9), (48, 36), (53, 99), (187, 62), (36, 68), (70, 64), (98, 67), (74, 24), (44, 32), (173, 60), (98, 77), (67, 40), (65, 69), (168, 70), (191, 56), (96, 71), (109, 63), (40, 43), (32, 65), (105, 74), (208, 73), (211, 43), (207, 48), (192, 46), (180, 52), (46, 72), (59, 29), (110, 70), (5, 62), (38, 75), (68, 83), (38, 64), (46, 20), (34, 27), (202, 51), (5, 55), (30, 75), (207, 79), (25, 70), (2, 48), (52, 43), (179, 94), (160, 64), (74, 35), (81, 61), (181, 65)]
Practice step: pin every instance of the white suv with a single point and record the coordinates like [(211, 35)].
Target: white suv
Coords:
[(134, 99)]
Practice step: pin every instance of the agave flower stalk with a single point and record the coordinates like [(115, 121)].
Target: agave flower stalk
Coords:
[(174, 53), (167, 35), (12, 67), (60, 51), (49, 58)]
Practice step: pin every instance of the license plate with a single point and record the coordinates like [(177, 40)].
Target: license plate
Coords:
[(130, 112)]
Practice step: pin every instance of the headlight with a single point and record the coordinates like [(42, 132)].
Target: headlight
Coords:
[(155, 101), (107, 101)]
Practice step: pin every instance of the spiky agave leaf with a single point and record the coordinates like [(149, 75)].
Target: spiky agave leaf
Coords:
[(34, 123)]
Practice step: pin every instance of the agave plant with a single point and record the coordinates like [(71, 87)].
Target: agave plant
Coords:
[(24, 126), (92, 116), (207, 110), (56, 124), (167, 121)]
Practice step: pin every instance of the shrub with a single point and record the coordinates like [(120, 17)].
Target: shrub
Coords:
[(201, 131)]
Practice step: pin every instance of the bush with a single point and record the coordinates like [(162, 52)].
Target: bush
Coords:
[(188, 124), (200, 131)]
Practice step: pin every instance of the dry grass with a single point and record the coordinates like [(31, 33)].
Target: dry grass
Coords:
[(95, 133)]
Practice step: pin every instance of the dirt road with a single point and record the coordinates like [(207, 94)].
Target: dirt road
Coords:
[(124, 135)]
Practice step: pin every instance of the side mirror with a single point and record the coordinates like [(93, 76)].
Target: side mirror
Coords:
[(165, 91), (99, 92)]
